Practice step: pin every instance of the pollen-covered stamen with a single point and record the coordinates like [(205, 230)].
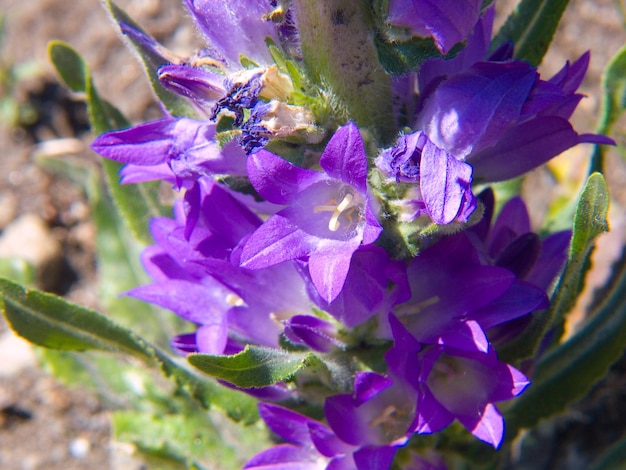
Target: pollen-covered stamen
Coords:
[(404, 311), (392, 421), (277, 119), (235, 300), (246, 88), (279, 317), (345, 207)]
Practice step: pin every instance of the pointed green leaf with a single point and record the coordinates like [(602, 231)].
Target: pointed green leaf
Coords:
[(138, 203), (68, 64), (277, 55), (174, 103), (531, 28), (614, 91), (569, 371), (253, 367), (613, 102), (400, 57), (103, 116), (17, 269), (174, 441), (50, 321), (590, 220)]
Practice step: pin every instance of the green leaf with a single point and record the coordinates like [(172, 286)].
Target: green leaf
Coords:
[(17, 269), (118, 255), (137, 203), (613, 458), (590, 220), (613, 102), (174, 441), (568, 372), (103, 116), (254, 366), (52, 322), (531, 28), (400, 57), (614, 89), (120, 269), (69, 65), (277, 55), (187, 437), (152, 60)]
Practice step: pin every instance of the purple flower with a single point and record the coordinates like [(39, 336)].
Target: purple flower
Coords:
[(234, 28), (198, 276), (502, 118), (444, 181), (186, 146), (511, 244), (374, 285), (434, 307), (366, 429), (455, 380), (490, 295), (448, 22), (315, 333), (330, 213), (202, 87), (378, 413), (310, 445)]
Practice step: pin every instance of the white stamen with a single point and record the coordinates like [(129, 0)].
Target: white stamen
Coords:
[(234, 300), (345, 204)]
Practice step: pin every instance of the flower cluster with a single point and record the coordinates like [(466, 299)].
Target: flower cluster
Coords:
[(300, 227)]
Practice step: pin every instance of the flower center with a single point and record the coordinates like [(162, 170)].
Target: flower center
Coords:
[(346, 207), (392, 422), (459, 383)]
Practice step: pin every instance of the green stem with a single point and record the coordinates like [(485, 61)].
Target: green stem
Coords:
[(339, 53)]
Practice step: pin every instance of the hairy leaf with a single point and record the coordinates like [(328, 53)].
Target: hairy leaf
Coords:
[(253, 367), (152, 60), (569, 371), (590, 220), (613, 102), (531, 28), (50, 321)]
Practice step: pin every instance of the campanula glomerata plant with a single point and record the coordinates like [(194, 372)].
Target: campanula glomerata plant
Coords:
[(340, 246)]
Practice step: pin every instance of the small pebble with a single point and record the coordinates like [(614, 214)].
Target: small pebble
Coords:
[(79, 448)]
